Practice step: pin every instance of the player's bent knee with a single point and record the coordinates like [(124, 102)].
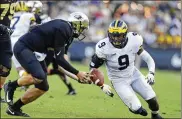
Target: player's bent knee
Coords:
[(43, 85), (39, 77), (4, 71), (153, 104)]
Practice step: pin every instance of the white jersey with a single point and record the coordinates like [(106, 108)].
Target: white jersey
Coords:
[(119, 62), (21, 23)]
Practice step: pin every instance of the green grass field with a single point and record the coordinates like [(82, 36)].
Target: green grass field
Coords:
[(91, 102)]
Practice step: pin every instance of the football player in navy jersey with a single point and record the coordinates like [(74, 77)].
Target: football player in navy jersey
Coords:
[(6, 14), (54, 35)]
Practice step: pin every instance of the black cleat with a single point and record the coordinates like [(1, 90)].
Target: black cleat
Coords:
[(140, 111), (11, 111), (144, 112), (3, 100), (9, 92), (71, 92), (156, 116)]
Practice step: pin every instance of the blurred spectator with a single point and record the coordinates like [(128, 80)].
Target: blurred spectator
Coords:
[(158, 22)]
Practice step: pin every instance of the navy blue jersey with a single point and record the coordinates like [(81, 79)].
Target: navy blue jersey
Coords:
[(54, 34), (7, 8)]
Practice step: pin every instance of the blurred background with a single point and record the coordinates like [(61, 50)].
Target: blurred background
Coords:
[(159, 22)]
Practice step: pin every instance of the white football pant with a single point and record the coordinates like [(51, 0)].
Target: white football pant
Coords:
[(15, 61), (126, 88)]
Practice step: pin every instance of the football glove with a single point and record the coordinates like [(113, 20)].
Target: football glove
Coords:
[(107, 90), (150, 78), (4, 30)]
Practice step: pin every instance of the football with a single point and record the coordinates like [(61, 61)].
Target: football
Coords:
[(98, 77)]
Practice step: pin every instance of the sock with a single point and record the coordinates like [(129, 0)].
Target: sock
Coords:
[(53, 71), (66, 82), (14, 84), (18, 104), (155, 112), (69, 86)]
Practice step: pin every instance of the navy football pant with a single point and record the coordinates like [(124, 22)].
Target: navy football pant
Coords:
[(28, 61)]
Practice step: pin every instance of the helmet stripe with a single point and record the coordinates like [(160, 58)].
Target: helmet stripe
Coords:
[(116, 24), (123, 25), (113, 24), (120, 24)]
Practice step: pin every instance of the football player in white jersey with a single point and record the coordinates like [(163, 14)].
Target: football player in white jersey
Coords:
[(21, 22), (118, 52), (36, 7)]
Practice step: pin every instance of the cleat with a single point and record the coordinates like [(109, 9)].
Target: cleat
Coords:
[(156, 116), (17, 112), (71, 92), (144, 112), (9, 92), (3, 100), (140, 111)]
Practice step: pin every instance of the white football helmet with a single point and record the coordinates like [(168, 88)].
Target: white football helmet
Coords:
[(36, 6), (79, 22)]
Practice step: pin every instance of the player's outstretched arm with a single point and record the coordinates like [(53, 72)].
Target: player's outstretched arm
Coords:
[(96, 62), (82, 76), (151, 66)]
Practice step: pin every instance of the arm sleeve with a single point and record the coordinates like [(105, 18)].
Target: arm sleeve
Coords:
[(99, 51), (59, 47), (66, 49), (59, 53), (138, 44), (96, 62), (149, 60)]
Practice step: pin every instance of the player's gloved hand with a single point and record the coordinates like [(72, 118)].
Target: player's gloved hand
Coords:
[(84, 77), (107, 90), (4, 30), (150, 78), (10, 31)]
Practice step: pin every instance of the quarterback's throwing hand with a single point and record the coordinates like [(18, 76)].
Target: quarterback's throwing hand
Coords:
[(150, 78), (107, 90)]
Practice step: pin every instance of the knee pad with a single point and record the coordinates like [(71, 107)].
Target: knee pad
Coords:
[(140, 111), (39, 77), (4, 71), (153, 104), (43, 85)]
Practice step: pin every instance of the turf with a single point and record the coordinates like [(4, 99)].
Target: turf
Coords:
[(91, 102)]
